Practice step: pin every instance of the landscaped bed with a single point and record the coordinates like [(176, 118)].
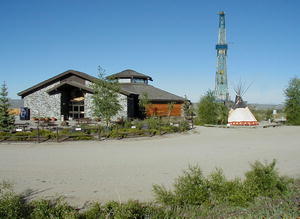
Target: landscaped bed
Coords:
[(138, 128)]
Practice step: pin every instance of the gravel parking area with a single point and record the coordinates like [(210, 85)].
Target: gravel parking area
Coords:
[(127, 169)]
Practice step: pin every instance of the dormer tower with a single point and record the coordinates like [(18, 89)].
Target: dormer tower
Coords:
[(130, 77)]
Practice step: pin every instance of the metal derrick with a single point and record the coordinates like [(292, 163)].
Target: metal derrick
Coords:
[(221, 84)]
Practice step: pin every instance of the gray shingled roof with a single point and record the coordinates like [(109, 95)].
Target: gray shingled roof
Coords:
[(130, 74), (154, 94), (56, 78), (72, 83)]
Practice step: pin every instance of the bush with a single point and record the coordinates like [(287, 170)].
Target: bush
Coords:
[(184, 126), (26, 136), (11, 204), (264, 180), (52, 209), (130, 209), (93, 212), (210, 111), (153, 123), (189, 189), (76, 135), (193, 189), (262, 115), (220, 199)]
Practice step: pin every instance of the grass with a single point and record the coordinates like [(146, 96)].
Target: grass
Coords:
[(262, 194)]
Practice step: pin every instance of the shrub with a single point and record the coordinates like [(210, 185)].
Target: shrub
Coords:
[(131, 209), (127, 124), (52, 209), (189, 189), (11, 204), (76, 135), (184, 126), (264, 180), (153, 123), (224, 191), (210, 111), (93, 212), (193, 189)]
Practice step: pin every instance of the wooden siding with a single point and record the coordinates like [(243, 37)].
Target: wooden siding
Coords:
[(162, 110)]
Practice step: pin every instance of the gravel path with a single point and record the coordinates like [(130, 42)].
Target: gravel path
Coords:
[(127, 169)]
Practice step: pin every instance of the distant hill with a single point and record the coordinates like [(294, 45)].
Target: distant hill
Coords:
[(259, 106), (15, 103)]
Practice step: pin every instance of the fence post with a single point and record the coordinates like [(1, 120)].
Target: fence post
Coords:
[(38, 132), (56, 134), (99, 134)]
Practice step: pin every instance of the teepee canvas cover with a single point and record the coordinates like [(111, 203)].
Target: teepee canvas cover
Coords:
[(240, 115)]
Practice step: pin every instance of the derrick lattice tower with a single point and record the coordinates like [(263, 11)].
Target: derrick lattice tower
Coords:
[(221, 85)]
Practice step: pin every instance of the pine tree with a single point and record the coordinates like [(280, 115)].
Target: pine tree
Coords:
[(6, 120), (105, 98)]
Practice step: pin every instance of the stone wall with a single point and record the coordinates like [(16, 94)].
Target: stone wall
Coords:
[(88, 105), (88, 111), (41, 104), (123, 112)]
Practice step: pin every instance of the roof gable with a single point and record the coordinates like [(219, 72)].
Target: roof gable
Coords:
[(54, 79)]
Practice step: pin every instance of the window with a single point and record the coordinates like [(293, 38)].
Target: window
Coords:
[(139, 81), (76, 109)]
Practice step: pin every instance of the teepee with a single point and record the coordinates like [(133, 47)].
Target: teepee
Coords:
[(240, 114)]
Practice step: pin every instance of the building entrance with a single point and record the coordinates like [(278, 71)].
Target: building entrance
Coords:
[(76, 108)]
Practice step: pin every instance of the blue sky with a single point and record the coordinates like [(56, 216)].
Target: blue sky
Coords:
[(171, 40)]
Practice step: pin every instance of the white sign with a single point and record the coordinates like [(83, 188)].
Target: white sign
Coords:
[(77, 129), (19, 130)]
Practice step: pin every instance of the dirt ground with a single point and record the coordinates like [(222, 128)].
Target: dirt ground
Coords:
[(126, 169)]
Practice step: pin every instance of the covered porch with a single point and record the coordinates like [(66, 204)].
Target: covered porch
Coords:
[(72, 99)]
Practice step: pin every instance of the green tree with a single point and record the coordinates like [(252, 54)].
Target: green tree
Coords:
[(170, 109), (144, 102), (6, 120), (292, 102), (105, 98), (188, 108), (210, 111)]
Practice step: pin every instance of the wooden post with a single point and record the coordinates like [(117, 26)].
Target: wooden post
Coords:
[(56, 134), (38, 132), (99, 134)]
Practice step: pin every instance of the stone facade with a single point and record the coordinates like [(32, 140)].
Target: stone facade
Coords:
[(88, 106), (88, 110), (41, 104), (123, 112)]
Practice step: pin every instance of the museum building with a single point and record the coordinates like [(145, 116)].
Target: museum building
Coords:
[(69, 96)]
